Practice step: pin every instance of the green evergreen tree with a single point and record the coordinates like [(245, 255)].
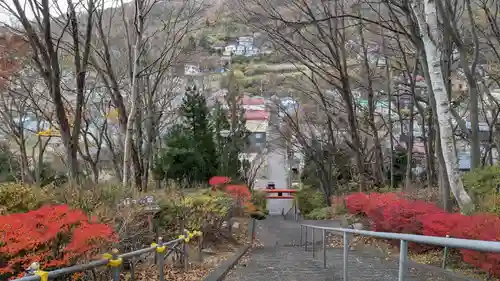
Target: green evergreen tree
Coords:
[(238, 138), (220, 123), (179, 159), (196, 119), (190, 154)]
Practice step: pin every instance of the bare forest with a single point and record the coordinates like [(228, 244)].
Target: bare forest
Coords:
[(426, 71)]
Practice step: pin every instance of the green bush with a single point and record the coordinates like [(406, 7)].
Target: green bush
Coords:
[(481, 184), (309, 199), (204, 211), (99, 200), (18, 198), (319, 214), (483, 181), (259, 200)]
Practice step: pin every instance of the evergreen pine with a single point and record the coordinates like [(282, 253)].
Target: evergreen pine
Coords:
[(190, 153), (195, 112), (237, 141)]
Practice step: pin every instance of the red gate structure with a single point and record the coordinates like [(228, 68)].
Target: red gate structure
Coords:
[(283, 194), (280, 193)]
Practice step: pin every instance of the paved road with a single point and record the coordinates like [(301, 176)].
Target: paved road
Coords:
[(277, 164), (278, 260)]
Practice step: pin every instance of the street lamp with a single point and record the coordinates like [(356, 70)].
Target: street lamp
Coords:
[(225, 135)]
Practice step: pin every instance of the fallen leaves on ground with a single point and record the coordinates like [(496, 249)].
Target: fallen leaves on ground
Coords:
[(434, 258), (151, 273), (337, 241), (431, 257)]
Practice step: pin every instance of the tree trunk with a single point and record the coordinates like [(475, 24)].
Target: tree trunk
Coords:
[(389, 117), (133, 100), (409, 147), (429, 30), (379, 158)]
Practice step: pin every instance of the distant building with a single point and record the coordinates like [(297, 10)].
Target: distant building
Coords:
[(191, 69), (256, 103), (240, 50), (245, 46), (245, 41), (230, 48)]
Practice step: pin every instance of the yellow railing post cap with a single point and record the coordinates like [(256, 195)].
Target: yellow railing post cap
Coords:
[(112, 261), (44, 275)]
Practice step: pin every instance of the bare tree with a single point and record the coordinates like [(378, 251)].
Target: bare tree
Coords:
[(314, 35), (150, 46), (48, 36), (428, 25)]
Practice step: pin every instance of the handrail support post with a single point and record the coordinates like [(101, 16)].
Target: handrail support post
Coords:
[(313, 242), (403, 257), (324, 248), (305, 238), (346, 257)]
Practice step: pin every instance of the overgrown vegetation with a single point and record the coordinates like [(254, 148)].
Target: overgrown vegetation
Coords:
[(484, 186), (122, 211), (309, 199)]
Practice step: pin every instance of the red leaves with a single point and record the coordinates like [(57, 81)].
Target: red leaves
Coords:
[(218, 180), (356, 202), (239, 192), (390, 212), (13, 49), (52, 235)]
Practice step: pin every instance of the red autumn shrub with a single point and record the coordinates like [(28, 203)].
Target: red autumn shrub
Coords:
[(441, 224), (480, 227), (356, 202), (239, 192), (403, 216), (390, 212), (54, 236), (374, 210)]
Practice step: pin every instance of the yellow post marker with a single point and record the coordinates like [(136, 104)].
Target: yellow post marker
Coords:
[(113, 259), (44, 275), (159, 249)]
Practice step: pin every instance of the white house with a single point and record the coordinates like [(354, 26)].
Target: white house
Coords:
[(240, 50), (191, 69), (230, 48), (251, 51), (245, 41)]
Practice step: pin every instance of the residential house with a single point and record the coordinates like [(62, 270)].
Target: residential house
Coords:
[(243, 47), (230, 47), (191, 69), (246, 41), (256, 103), (257, 123), (251, 51), (240, 50)]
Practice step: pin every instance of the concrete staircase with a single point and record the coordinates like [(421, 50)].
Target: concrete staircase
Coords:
[(279, 257)]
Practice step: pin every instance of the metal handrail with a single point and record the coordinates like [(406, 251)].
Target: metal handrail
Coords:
[(295, 211), (114, 261), (476, 245)]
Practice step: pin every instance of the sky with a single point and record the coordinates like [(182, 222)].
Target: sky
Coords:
[(57, 7)]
